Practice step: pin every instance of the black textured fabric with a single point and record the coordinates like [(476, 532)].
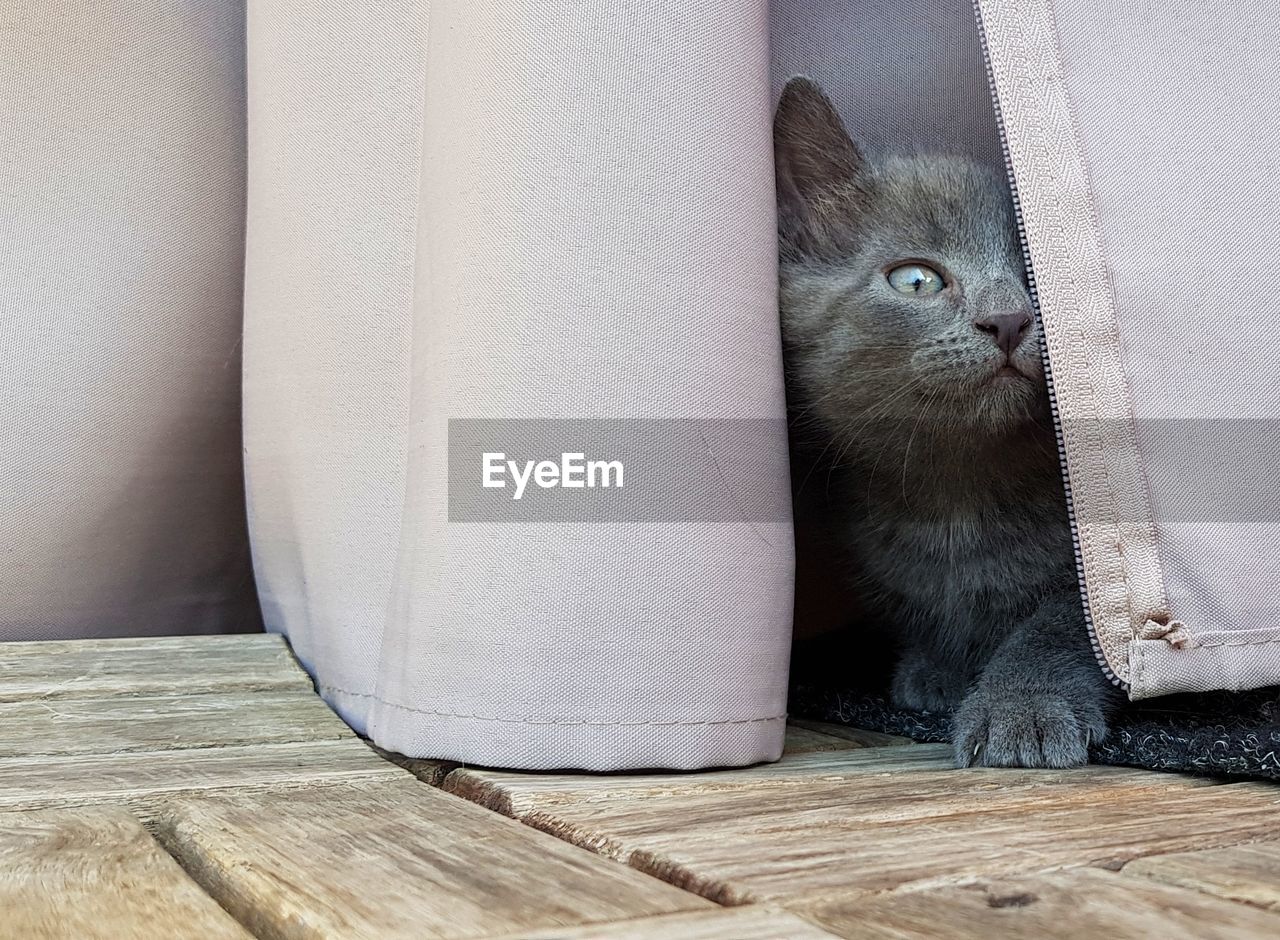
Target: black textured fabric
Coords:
[(1233, 734), (1221, 733)]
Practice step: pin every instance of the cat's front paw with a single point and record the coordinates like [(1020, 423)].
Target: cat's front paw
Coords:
[(1026, 728), (922, 685)]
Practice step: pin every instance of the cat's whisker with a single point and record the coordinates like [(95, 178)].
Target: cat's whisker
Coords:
[(875, 466), (813, 404), (852, 438), (814, 466), (871, 477), (871, 413), (906, 456), (881, 406), (835, 464)]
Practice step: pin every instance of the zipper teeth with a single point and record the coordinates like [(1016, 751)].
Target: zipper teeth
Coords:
[(1044, 355)]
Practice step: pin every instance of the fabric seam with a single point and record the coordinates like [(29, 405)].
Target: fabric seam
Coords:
[(535, 721), (1218, 644)]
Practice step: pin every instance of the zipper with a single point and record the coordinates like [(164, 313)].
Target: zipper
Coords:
[(1044, 356)]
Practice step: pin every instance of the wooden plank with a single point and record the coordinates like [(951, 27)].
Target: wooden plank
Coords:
[(1248, 873), (138, 777), (116, 725), (804, 741), (934, 786), (752, 922), (96, 873), (1080, 903), (402, 860), (880, 821), (515, 794), (801, 732), (779, 852), (147, 665)]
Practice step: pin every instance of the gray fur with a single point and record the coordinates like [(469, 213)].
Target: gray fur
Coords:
[(942, 479)]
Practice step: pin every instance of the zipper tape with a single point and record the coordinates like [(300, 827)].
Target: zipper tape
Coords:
[(1117, 566)]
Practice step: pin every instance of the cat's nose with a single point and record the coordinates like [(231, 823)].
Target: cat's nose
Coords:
[(1005, 329)]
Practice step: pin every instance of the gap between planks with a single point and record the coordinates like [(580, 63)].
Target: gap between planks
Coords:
[(934, 824), (871, 820), (393, 860), (1042, 905), (95, 873)]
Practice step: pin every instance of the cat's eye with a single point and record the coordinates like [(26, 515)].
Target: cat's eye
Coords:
[(915, 279)]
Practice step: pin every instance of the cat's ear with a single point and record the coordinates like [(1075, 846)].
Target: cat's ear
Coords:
[(818, 166)]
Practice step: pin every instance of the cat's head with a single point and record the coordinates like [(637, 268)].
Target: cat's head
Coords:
[(904, 295)]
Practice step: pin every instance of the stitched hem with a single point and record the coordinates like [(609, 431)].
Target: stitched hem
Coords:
[(1212, 664), (681, 722), (1221, 644)]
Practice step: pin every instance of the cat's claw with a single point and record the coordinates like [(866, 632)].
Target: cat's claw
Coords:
[(1025, 729)]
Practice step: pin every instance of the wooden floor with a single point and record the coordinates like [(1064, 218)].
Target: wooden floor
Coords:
[(198, 788)]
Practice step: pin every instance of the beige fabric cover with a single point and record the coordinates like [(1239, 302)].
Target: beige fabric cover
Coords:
[(121, 238), (1145, 146), (577, 229), (565, 211)]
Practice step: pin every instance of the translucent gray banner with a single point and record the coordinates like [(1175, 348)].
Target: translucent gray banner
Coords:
[(1212, 470), (736, 470), (618, 470)]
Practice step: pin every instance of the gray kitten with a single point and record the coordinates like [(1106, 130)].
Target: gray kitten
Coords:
[(913, 360)]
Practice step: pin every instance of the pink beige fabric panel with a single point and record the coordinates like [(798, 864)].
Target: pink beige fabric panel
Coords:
[(564, 212), (555, 222), (122, 168), (1144, 153)]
